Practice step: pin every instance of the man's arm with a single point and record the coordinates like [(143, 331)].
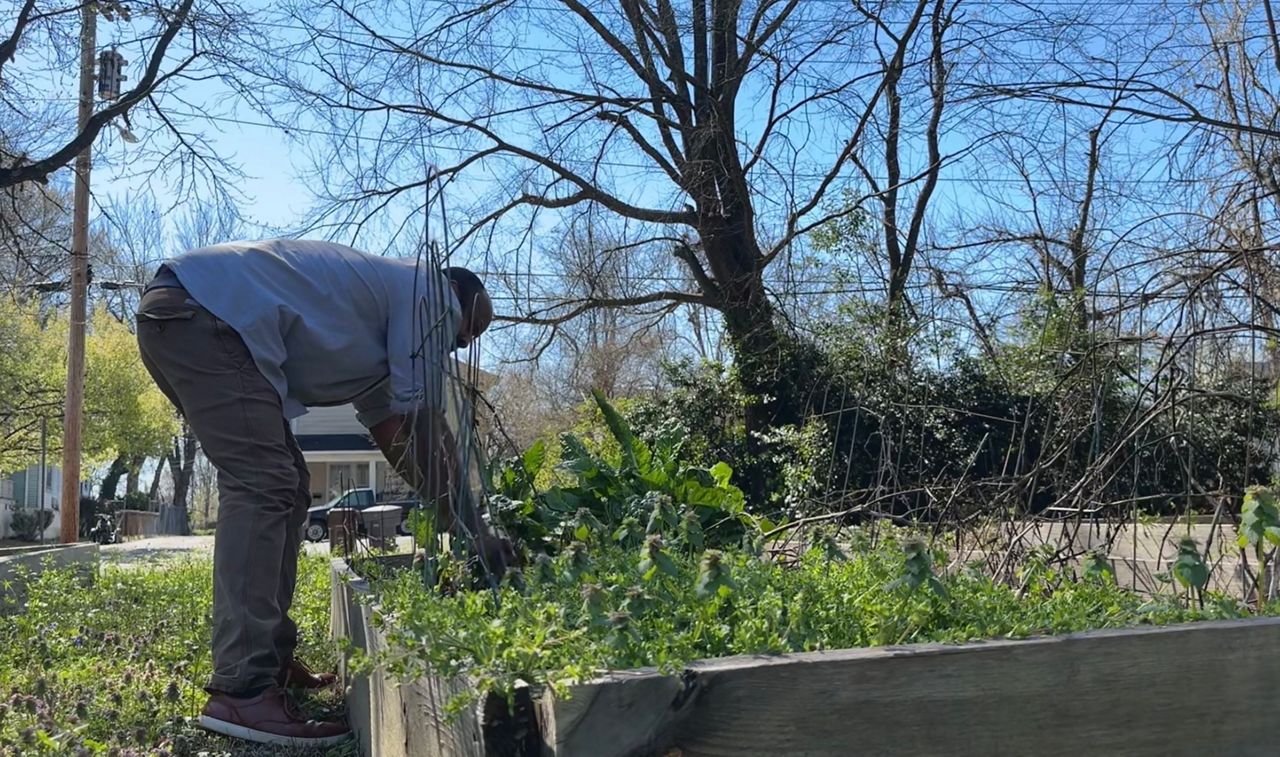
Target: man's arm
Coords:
[(421, 448), (428, 461)]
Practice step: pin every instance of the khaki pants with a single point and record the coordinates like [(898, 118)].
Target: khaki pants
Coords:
[(264, 489)]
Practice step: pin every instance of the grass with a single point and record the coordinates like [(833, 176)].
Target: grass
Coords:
[(117, 667)]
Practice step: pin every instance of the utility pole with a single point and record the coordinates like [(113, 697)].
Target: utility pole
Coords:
[(44, 471), (79, 284)]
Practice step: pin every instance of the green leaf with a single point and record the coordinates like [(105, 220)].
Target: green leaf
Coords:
[(1191, 574), (662, 514), (1189, 568), (575, 457), (1098, 568), (617, 426), (664, 563), (534, 457), (721, 472), (657, 478), (691, 530), (635, 454), (713, 575), (1258, 516), (561, 500), (938, 587)]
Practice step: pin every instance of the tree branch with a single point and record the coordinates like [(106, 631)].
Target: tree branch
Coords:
[(583, 306), (39, 170)]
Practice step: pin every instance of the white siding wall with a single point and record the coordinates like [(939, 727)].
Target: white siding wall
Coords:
[(329, 420), (342, 419), (22, 492)]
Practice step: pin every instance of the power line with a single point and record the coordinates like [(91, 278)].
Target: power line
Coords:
[(838, 287), (646, 168), (606, 54)]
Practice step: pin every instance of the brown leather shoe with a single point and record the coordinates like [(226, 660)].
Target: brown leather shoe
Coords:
[(268, 718), (296, 675)]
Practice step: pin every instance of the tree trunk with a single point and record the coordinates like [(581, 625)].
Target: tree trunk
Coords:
[(182, 464), (112, 480), (135, 470), (208, 503), (776, 370), (155, 482)]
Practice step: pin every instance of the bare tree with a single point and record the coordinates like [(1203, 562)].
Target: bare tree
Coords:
[(551, 369), (1240, 81), (694, 123), (617, 351)]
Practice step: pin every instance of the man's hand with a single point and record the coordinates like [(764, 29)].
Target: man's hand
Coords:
[(430, 466), (422, 450), (496, 554)]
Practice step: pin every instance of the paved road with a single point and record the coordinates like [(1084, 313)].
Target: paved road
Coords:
[(168, 547)]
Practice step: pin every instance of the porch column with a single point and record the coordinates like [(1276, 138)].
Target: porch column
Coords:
[(373, 477)]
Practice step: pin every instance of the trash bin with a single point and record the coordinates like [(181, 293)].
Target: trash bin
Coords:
[(381, 522), (344, 527)]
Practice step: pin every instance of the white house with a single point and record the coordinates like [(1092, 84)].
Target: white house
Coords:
[(342, 456), (23, 491)]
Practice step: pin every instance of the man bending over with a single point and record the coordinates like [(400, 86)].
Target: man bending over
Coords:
[(242, 338)]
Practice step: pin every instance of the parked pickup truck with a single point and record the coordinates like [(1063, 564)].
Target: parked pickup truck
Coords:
[(317, 526)]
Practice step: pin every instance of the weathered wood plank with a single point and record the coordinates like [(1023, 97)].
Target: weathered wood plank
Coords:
[(431, 731), (393, 719), (1180, 690), (346, 621)]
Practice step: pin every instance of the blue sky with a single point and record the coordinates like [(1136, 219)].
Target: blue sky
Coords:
[(277, 192)]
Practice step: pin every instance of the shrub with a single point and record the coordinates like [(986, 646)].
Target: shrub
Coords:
[(881, 417), (136, 501), (28, 525), (620, 496)]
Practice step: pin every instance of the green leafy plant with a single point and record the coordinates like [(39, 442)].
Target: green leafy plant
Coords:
[(136, 501), (118, 666), (27, 525), (1189, 569), (917, 569), (825, 540), (1260, 528), (603, 605), (646, 489), (1098, 568), (713, 576)]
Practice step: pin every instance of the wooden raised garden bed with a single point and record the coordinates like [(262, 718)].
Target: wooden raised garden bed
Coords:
[(1192, 689)]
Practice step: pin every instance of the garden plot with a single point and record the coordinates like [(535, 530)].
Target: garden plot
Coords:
[(655, 615), (1120, 691)]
